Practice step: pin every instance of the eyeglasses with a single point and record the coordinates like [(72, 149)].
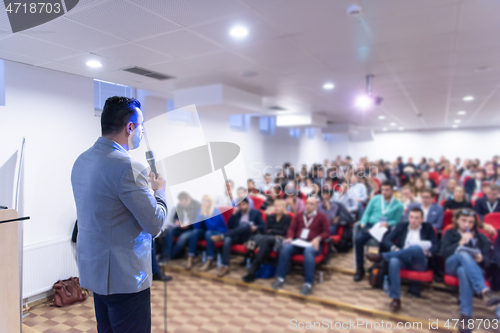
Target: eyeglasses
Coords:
[(467, 212)]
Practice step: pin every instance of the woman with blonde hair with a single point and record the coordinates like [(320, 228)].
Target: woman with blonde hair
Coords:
[(467, 253), (211, 223)]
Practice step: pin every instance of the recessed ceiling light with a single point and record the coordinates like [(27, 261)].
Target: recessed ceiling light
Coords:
[(381, 117), (238, 32), (384, 129), (455, 126), (461, 113), (401, 128), (328, 86), (364, 102), (392, 124), (94, 63), (468, 98), (458, 121)]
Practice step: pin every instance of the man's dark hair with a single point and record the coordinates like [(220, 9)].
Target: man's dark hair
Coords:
[(416, 209), (183, 196), (116, 113), (386, 183), (427, 190), (245, 199)]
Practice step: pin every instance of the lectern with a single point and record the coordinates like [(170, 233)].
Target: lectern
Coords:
[(10, 277)]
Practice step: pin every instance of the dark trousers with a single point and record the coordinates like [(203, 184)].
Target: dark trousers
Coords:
[(238, 235), (265, 245), (123, 313), (362, 237)]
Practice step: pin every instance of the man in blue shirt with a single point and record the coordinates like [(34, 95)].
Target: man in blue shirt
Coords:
[(382, 208)]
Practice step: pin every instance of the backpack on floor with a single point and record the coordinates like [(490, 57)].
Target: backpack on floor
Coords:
[(376, 274), (266, 271)]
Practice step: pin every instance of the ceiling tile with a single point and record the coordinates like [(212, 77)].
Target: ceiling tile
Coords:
[(221, 61), (31, 47), (123, 19), (80, 61), (71, 34), (179, 69), (133, 54), (179, 44), (193, 12)]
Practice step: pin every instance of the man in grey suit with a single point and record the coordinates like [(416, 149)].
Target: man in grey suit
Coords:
[(117, 216)]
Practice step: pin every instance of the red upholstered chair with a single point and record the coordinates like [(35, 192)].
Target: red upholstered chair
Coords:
[(434, 175), (292, 215), (447, 218), (376, 180), (442, 202), (493, 219), (226, 212), (257, 201), (340, 232)]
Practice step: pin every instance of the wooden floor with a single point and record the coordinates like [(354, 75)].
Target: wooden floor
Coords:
[(201, 302)]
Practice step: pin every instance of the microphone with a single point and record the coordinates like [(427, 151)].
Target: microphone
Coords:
[(150, 157)]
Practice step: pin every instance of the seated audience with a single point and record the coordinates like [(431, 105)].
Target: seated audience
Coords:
[(490, 203), (330, 210), (433, 213), (271, 240), (211, 223), (417, 188), (344, 197), (293, 203), (310, 226), (308, 188), (459, 200), (271, 197), (473, 185), (181, 228), (408, 198), (357, 190), (268, 183), (243, 223), (411, 245), (447, 192), (384, 209), (252, 190), (467, 253), (227, 198), (428, 182), (242, 193)]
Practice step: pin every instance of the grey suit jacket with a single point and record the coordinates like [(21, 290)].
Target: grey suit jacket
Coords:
[(117, 214)]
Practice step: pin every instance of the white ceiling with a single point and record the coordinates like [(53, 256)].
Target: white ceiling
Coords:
[(423, 53)]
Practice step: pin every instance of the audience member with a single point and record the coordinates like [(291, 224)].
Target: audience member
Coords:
[(227, 198), (271, 240), (344, 197), (459, 200), (489, 203), (357, 190), (293, 203), (309, 226), (433, 213), (268, 183), (211, 223), (467, 253), (408, 198), (243, 223), (473, 185), (447, 192), (428, 182), (330, 210), (410, 245), (384, 209), (243, 193), (181, 228)]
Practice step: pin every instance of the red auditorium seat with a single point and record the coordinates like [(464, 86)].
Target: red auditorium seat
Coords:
[(442, 202), (257, 201), (427, 276), (226, 212), (493, 219), (447, 219), (336, 238), (376, 180), (292, 215), (434, 175)]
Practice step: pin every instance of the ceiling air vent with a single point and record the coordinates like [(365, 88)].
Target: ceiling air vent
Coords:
[(277, 108), (148, 73)]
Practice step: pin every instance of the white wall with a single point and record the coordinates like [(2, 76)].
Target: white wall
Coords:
[(470, 143), (54, 111)]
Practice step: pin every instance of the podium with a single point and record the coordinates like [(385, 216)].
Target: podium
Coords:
[(10, 264)]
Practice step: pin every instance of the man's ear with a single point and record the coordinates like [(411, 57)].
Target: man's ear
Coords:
[(129, 127)]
